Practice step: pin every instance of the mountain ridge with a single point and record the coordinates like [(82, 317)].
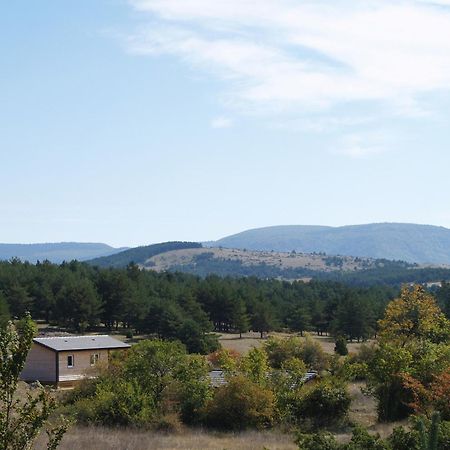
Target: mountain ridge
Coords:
[(57, 252), (424, 244)]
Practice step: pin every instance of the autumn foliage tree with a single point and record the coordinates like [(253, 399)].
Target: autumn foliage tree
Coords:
[(432, 397), (414, 316), (414, 351)]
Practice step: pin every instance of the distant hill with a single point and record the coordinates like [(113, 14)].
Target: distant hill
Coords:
[(203, 261), (56, 252), (192, 257), (140, 255), (424, 244), (293, 266)]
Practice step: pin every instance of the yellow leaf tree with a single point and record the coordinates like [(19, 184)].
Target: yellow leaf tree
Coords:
[(415, 315), (414, 345)]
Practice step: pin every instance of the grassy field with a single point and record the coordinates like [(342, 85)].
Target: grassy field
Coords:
[(98, 438), (249, 340)]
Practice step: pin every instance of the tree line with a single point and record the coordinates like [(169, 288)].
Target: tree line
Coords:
[(180, 306)]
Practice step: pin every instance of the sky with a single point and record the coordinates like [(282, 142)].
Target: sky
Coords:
[(132, 122)]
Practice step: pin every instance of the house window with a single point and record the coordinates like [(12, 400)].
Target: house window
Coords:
[(70, 361), (94, 359)]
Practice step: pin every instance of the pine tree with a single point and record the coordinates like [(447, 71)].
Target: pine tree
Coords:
[(241, 320), (299, 319)]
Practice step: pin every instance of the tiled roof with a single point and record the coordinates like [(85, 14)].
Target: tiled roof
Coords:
[(62, 343)]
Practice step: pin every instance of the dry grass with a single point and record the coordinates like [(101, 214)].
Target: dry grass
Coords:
[(363, 411), (98, 438), (282, 260), (250, 340), (231, 341)]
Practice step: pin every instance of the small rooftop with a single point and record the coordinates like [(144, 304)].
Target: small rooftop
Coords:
[(62, 343)]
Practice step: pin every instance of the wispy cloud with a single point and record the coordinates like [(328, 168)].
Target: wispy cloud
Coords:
[(309, 55), (361, 146), (221, 122)]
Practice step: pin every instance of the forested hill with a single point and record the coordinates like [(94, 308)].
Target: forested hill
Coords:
[(394, 241), (140, 255), (56, 252)]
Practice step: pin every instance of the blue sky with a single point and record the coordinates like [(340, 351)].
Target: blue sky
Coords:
[(133, 122)]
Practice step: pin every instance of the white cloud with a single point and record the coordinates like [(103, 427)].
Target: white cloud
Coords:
[(358, 146), (221, 122), (286, 55)]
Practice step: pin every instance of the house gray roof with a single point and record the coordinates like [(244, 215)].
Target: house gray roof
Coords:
[(63, 343)]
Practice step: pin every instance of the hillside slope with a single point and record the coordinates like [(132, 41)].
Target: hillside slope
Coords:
[(56, 252), (395, 241), (140, 255), (294, 266)]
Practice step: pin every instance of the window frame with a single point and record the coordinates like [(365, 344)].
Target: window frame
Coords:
[(71, 366), (94, 359)]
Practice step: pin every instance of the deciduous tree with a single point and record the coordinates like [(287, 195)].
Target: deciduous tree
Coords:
[(21, 420)]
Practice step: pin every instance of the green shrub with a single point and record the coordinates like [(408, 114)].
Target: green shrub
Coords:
[(340, 346), (362, 440), (402, 439), (393, 400), (285, 384), (307, 349), (444, 435), (279, 350), (355, 371), (116, 403), (239, 405), (193, 388), (424, 434), (326, 402), (167, 423), (313, 355), (317, 441), (364, 354), (156, 379)]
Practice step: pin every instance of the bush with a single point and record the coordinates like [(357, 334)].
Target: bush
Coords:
[(279, 350), (317, 441), (393, 400), (325, 403), (355, 370), (167, 423), (239, 405), (116, 403), (307, 349), (401, 439), (362, 440), (418, 438), (225, 359), (340, 346), (385, 381), (365, 353), (313, 355), (154, 380)]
